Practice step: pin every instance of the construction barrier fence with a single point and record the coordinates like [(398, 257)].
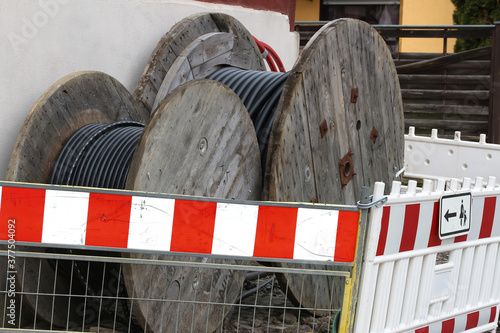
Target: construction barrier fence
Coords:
[(77, 259)]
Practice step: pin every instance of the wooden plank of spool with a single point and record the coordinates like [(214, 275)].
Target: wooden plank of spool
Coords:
[(200, 58), (201, 141), (340, 118), (69, 104), (243, 53)]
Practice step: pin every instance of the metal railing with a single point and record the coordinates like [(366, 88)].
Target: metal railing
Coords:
[(392, 33), (89, 291)]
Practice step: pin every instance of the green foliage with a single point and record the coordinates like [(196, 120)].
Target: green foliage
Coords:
[(476, 12)]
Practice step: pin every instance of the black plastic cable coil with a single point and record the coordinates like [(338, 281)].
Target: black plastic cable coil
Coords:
[(260, 93), (98, 155)]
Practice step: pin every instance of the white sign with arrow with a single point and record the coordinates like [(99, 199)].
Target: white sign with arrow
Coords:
[(454, 214)]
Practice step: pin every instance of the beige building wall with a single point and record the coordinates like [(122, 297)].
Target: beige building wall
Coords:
[(426, 12)]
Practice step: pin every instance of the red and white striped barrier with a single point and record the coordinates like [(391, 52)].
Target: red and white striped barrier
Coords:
[(413, 281), (461, 323), (57, 215), (414, 233)]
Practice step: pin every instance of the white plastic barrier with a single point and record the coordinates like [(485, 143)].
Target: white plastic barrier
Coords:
[(412, 281), (433, 157)]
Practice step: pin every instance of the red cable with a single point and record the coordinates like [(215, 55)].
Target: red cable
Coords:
[(275, 56), (266, 50), (265, 53)]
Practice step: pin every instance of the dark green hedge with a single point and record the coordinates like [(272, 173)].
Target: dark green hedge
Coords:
[(477, 12)]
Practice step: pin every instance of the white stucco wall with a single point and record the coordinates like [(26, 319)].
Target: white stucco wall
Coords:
[(44, 40)]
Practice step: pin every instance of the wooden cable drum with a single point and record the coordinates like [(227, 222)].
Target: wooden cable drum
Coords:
[(71, 103), (192, 49), (200, 141), (338, 127)]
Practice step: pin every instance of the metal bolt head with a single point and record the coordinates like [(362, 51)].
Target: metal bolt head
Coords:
[(307, 174), (196, 281), (203, 146), (346, 168)]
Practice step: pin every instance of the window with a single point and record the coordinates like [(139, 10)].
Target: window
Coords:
[(371, 11)]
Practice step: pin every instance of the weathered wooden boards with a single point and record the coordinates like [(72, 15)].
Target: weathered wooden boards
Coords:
[(193, 48), (447, 92), (201, 141), (340, 120), (71, 103)]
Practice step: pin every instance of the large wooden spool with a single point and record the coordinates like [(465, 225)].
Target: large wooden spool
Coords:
[(338, 127), (192, 49), (201, 141), (71, 103), (193, 145)]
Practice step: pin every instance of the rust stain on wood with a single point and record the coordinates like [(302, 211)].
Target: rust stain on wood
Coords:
[(323, 128), (374, 135), (354, 95)]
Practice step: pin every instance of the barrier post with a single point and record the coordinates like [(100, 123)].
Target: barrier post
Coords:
[(352, 283), (494, 115)]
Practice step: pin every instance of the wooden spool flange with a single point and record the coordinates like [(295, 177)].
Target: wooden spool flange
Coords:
[(192, 49), (201, 141), (338, 127), (71, 103)]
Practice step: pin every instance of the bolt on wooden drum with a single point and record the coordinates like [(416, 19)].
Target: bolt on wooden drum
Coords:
[(338, 127), (72, 102), (200, 141)]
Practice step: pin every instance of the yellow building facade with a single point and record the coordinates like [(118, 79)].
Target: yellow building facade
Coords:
[(426, 12), (411, 12), (307, 10)]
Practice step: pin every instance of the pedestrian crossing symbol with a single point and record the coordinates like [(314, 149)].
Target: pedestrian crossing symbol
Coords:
[(454, 214)]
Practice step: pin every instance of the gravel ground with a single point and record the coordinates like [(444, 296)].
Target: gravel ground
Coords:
[(269, 311)]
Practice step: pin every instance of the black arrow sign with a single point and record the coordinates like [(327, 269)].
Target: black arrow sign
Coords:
[(448, 215)]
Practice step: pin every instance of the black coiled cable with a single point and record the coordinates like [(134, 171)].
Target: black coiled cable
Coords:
[(260, 93), (98, 155)]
